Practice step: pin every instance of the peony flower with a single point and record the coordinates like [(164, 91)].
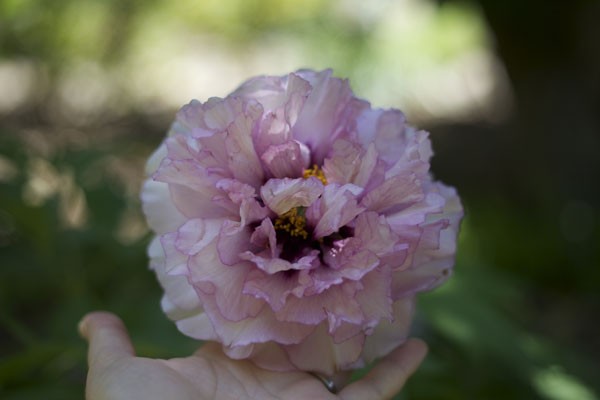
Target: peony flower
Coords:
[(295, 224)]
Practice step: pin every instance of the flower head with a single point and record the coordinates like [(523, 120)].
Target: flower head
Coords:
[(295, 224)]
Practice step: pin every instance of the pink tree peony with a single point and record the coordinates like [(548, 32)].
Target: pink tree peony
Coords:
[(295, 224)]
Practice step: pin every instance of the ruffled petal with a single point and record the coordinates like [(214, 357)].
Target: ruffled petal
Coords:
[(269, 91), (271, 356), (389, 335), (325, 110), (395, 194), (262, 328), (331, 357), (191, 187), (416, 214), (386, 129), (336, 207), (415, 155), (350, 163), (272, 265), (198, 327), (275, 288), (234, 240), (223, 283), (350, 258), (243, 160), (336, 304), (195, 234), (281, 195), (286, 160), (434, 255), (375, 298), (177, 289), (374, 233), (161, 214), (155, 159)]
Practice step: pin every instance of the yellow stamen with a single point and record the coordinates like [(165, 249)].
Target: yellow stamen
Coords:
[(316, 172), (292, 223)]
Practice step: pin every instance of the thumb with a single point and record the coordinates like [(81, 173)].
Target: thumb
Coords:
[(107, 336)]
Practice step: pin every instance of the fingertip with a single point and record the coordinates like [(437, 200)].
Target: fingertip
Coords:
[(95, 319), (107, 336), (414, 348)]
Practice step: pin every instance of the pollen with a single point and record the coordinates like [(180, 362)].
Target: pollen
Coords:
[(316, 172), (293, 223)]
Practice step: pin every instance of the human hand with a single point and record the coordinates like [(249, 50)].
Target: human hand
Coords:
[(115, 372)]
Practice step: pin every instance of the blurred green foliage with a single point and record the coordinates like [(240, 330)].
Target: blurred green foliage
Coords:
[(518, 320)]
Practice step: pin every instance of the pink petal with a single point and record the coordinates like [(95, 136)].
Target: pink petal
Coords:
[(198, 327), (195, 234), (271, 356), (350, 258), (160, 212), (181, 147), (251, 211), (322, 279), (243, 160), (265, 262), (275, 288), (346, 331), (207, 270), (388, 336), (174, 312), (236, 190), (425, 277), (272, 130), (434, 255), (238, 352), (285, 160), (414, 215), (376, 298), (191, 116), (336, 208), (269, 91), (415, 155), (395, 194), (374, 233), (173, 258), (264, 236), (233, 240), (281, 195), (331, 358), (349, 163), (386, 129), (322, 117), (155, 159), (297, 92), (336, 304), (177, 288), (258, 329), (219, 114), (281, 112), (192, 188)]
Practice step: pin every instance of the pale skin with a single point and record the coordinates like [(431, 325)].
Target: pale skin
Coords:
[(116, 373)]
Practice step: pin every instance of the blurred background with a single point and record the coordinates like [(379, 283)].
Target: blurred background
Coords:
[(510, 91)]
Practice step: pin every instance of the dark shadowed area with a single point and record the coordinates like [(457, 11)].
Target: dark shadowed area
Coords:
[(510, 91)]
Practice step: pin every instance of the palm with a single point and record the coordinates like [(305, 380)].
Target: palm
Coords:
[(115, 373), (208, 374)]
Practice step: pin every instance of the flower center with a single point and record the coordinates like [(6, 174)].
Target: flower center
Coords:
[(293, 222), (315, 171)]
